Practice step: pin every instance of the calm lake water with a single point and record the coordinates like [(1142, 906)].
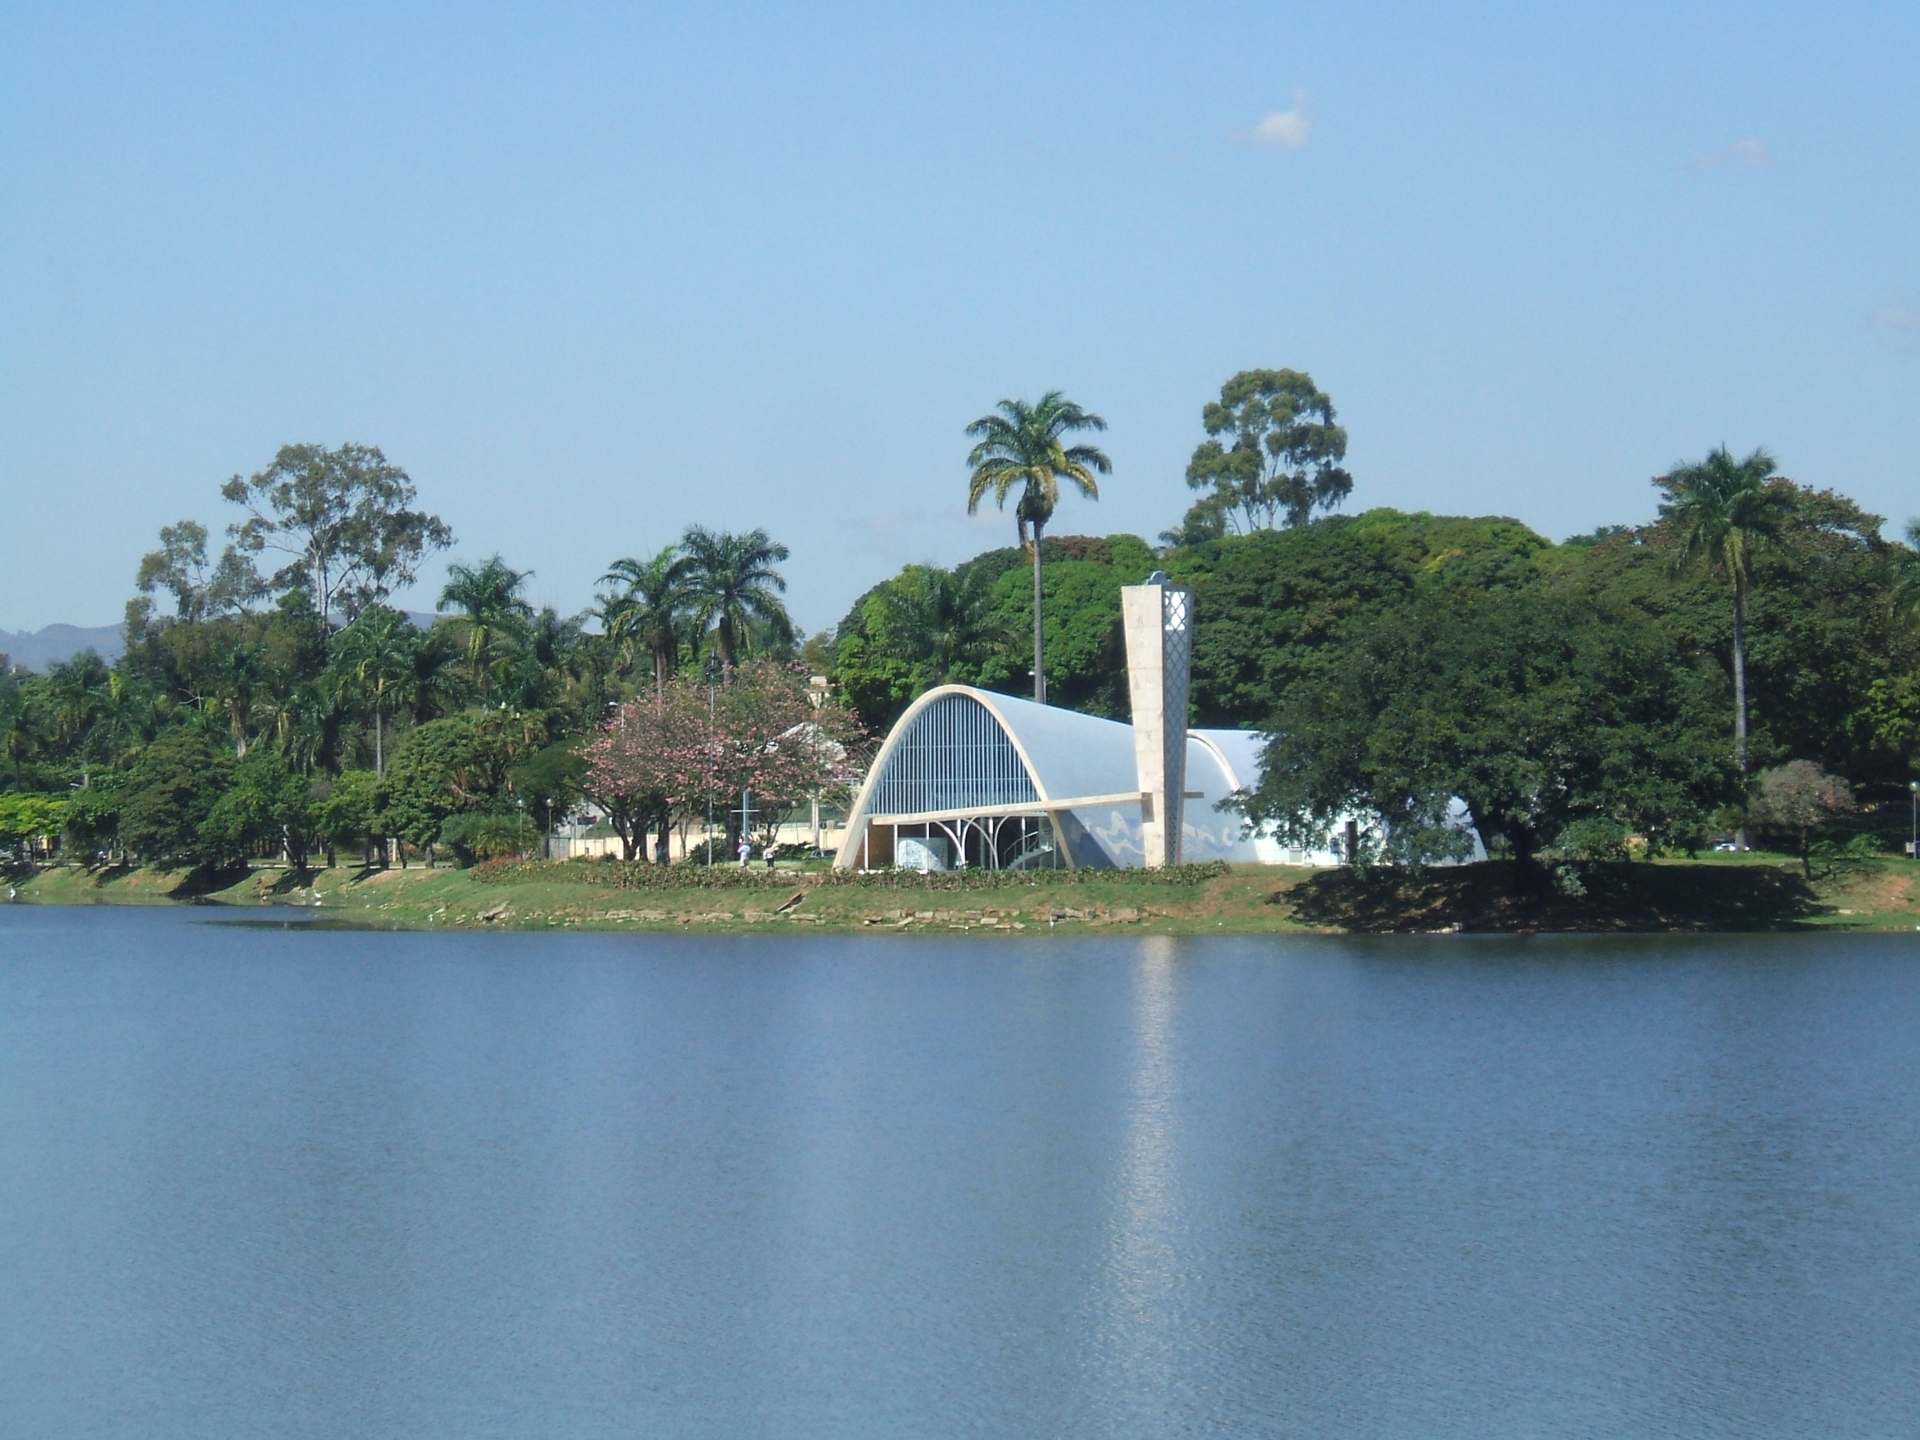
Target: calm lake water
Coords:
[(283, 1181)]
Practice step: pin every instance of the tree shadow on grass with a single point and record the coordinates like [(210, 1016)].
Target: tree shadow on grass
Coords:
[(199, 884), (1499, 896)]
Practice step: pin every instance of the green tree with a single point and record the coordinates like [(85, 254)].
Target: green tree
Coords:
[(25, 817), (493, 612), (376, 652), (446, 767), (473, 836), (1528, 706), (238, 684), (179, 567), (650, 608), (548, 782), (731, 583), (166, 796), (1905, 598), (309, 723), (76, 698), (1086, 666), (1273, 453), (346, 813), (1025, 445), (433, 687), (265, 805), (1719, 512), (1799, 797), (1273, 607), (131, 714), (344, 520), (17, 728), (93, 821), (551, 666)]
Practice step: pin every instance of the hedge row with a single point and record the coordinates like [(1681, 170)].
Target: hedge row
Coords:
[(638, 875)]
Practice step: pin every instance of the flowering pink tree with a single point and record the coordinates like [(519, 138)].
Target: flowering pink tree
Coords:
[(781, 744), (623, 774), (667, 754)]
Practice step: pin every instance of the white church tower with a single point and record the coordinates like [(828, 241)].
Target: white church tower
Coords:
[(1157, 619)]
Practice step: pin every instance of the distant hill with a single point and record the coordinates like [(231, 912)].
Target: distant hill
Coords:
[(37, 649)]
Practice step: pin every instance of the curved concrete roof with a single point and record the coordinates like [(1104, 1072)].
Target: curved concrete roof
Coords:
[(1070, 756)]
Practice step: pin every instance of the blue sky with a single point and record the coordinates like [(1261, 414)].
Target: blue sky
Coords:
[(593, 273)]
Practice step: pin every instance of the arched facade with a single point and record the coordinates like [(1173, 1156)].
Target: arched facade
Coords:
[(991, 781)]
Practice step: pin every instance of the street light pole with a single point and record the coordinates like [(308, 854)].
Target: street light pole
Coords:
[(713, 675), (817, 694), (1913, 789)]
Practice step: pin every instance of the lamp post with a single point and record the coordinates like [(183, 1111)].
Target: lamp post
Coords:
[(817, 694), (713, 679), (1913, 789)]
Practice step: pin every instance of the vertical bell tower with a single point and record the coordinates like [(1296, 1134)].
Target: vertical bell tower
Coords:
[(1157, 619)]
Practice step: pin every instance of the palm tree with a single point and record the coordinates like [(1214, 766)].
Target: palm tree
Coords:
[(376, 653), (550, 660), (1024, 445), (77, 689), (488, 598), (432, 685), (1906, 585), (731, 582), (130, 716), (16, 726), (651, 611), (933, 621), (1720, 511), (308, 723), (240, 682)]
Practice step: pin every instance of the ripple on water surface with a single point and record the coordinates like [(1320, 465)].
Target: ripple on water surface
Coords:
[(318, 1183)]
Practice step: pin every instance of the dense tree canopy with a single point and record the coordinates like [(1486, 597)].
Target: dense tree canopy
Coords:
[(1521, 703), (1571, 694)]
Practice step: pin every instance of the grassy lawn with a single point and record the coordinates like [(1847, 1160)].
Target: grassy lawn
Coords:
[(1717, 892)]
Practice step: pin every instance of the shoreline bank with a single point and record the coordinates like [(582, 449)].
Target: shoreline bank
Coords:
[(1743, 894)]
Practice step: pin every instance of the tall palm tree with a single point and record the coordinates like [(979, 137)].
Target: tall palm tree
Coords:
[(432, 686), (1720, 511), (307, 724), (1025, 445), (17, 730), (375, 652), (550, 662), (489, 601), (77, 691), (651, 610), (239, 683), (731, 582), (130, 716)]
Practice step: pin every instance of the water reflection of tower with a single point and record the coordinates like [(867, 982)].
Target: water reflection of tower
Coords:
[(1146, 1336)]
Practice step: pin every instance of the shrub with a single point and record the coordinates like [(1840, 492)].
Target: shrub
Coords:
[(1596, 837), (485, 836)]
